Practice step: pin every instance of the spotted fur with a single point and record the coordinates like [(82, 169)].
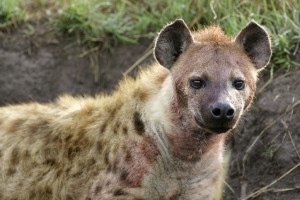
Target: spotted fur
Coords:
[(141, 142)]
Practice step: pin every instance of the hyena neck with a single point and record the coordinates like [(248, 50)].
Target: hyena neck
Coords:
[(191, 144), (177, 135)]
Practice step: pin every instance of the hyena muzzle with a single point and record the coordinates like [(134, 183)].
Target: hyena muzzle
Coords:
[(158, 136)]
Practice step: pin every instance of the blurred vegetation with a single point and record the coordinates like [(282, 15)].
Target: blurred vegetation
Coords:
[(127, 21)]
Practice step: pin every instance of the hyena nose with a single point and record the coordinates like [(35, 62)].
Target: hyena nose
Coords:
[(222, 110)]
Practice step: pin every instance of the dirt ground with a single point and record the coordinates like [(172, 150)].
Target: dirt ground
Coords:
[(265, 147)]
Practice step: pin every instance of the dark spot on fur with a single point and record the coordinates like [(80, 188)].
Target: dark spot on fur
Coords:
[(112, 112), (138, 123), (38, 126), (106, 157), (48, 190), (119, 192), (14, 158), (98, 189), (80, 140), (124, 175), (116, 127), (103, 128), (11, 171), (68, 138), (72, 152), (115, 166), (50, 162), (177, 196), (58, 173), (160, 78), (99, 146), (87, 110), (108, 168), (68, 170), (69, 197), (125, 130), (141, 94), (15, 125), (32, 194), (55, 139), (27, 154), (77, 149), (107, 183), (78, 173), (128, 156), (91, 161), (112, 109)]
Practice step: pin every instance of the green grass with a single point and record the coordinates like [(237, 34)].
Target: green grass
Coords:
[(10, 12), (107, 21)]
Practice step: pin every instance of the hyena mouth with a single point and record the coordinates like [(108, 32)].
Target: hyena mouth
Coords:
[(213, 129)]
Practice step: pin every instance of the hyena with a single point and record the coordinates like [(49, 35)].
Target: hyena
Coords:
[(158, 136)]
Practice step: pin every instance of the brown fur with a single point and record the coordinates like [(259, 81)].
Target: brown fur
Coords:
[(142, 142)]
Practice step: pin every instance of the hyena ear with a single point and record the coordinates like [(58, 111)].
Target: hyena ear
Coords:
[(171, 42), (256, 42)]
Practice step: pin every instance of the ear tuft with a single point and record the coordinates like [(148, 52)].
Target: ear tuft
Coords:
[(256, 43), (171, 42)]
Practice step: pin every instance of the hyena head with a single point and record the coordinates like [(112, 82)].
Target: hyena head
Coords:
[(214, 76)]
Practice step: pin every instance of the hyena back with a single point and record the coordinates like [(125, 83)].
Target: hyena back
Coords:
[(159, 136)]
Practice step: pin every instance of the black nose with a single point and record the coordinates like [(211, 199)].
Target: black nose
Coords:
[(222, 110)]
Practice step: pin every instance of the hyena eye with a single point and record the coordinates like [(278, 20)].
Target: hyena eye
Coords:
[(197, 83), (239, 84)]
